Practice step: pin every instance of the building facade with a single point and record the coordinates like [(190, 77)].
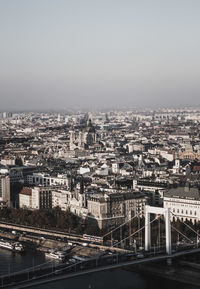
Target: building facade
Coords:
[(25, 198), (111, 209), (42, 198), (184, 203), (5, 190)]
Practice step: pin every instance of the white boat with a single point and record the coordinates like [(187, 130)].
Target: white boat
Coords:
[(18, 247), (6, 244), (10, 245), (59, 255)]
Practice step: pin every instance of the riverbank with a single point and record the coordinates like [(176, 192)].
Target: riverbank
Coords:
[(33, 242)]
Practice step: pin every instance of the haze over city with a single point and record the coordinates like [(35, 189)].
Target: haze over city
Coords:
[(99, 54), (99, 144)]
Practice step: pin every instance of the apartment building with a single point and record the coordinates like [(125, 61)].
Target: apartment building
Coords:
[(109, 209)]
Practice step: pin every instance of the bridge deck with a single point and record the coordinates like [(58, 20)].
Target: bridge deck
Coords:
[(47, 278)]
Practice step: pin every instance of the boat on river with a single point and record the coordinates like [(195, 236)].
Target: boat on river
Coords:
[(10, 245)]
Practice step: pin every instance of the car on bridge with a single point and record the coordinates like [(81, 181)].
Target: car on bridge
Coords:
[(73, 260), (140, 255)]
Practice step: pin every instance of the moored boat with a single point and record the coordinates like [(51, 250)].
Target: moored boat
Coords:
[(10, 245), (59, 255), (6, 244), (18, 247)]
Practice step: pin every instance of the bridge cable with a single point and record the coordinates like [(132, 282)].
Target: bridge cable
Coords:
[(137, 231), (181, 233), (187, 225), (119, 226)]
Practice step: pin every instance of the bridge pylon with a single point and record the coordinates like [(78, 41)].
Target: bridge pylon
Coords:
[(159, 211)]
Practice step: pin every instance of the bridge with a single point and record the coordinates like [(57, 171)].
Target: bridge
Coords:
[(116, 258)]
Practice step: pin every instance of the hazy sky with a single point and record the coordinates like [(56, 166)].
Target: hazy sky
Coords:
[(99, 53)]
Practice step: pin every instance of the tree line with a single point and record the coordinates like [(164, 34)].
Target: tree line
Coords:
[(49, 219)]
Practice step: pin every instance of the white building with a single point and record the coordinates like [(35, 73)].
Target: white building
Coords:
[(41, 197), (8, 161), (184, 203), (115, 168), (76, 203), (47, 180), (59, 199), (84, 170), (176, 167), (25, 198)]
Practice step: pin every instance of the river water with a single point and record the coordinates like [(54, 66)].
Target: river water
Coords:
[(117, 279)]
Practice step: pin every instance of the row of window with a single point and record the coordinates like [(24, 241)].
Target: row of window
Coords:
[(182, 205), (182, 212)]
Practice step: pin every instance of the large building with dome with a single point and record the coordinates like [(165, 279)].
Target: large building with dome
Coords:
[(83, 138)]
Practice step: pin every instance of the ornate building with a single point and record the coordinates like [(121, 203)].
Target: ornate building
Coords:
[(83, 138), (189, 154), (184, 203)]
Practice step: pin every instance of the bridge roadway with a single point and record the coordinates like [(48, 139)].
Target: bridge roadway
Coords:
[(63, 274), (57, 234)]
